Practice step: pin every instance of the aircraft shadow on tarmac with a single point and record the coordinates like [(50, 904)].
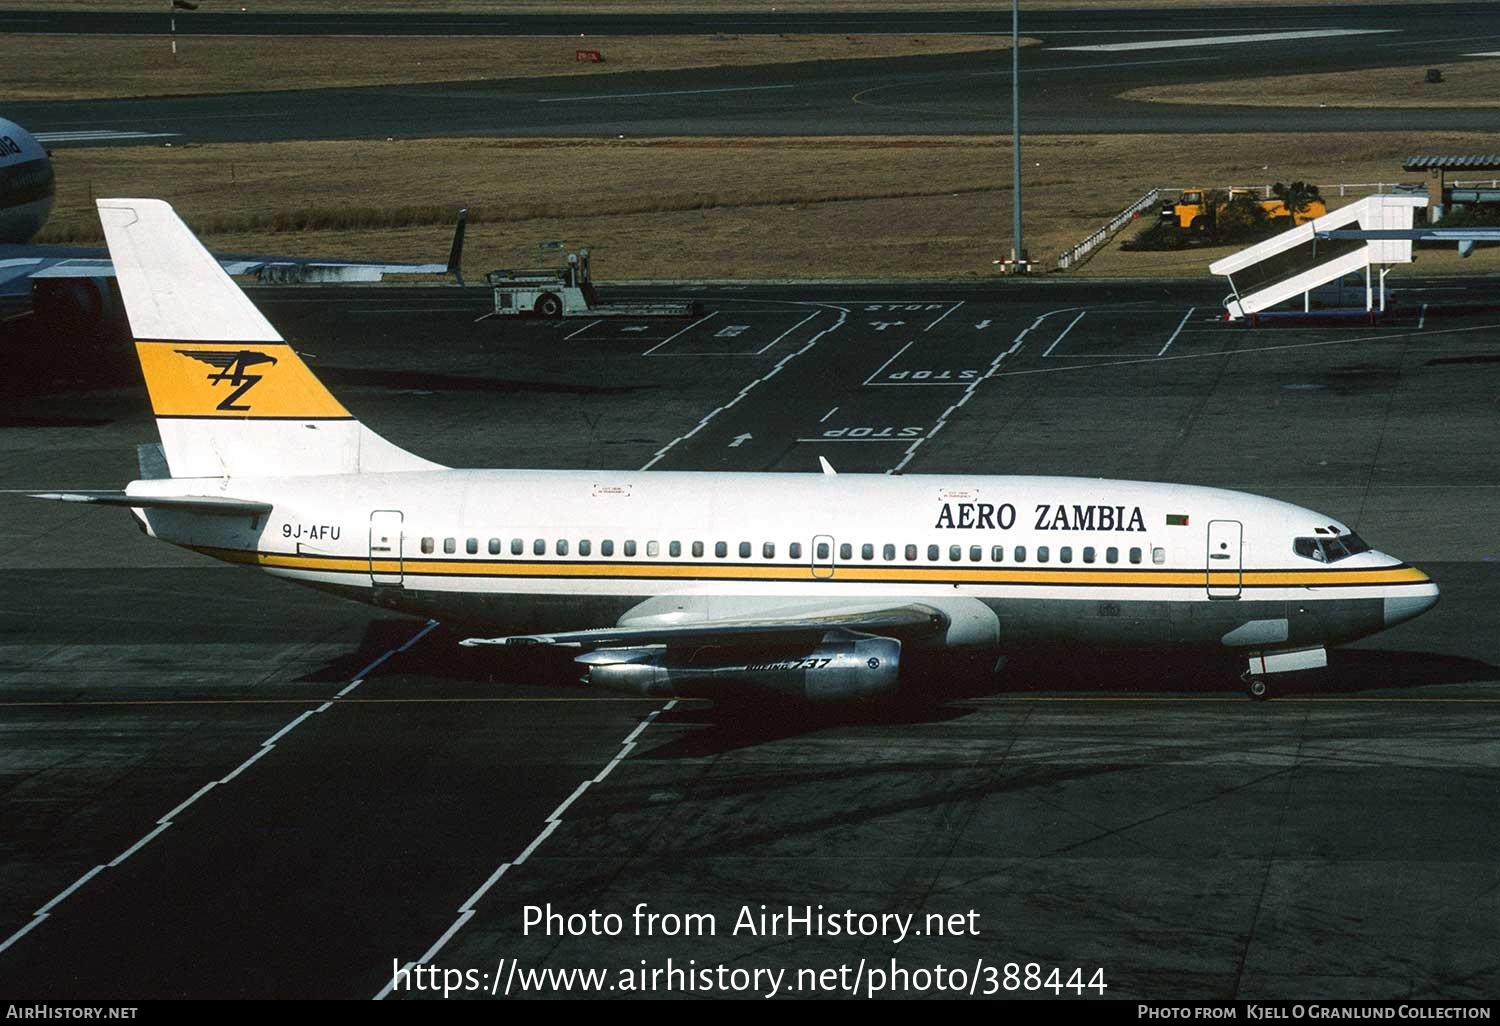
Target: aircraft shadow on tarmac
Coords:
[(745, 721)]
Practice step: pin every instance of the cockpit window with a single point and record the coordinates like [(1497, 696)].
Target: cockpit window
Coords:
[(1330, 549)]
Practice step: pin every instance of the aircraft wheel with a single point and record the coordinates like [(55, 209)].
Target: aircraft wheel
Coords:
[(1257, 689), (548, 305)]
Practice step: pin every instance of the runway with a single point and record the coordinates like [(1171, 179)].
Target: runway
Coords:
[(290, 795), (1070, 82)]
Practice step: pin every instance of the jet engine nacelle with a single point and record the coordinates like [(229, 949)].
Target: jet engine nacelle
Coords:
[(83, 305), (841, 666)]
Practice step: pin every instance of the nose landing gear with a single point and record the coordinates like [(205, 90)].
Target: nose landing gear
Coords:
[(1255, 687)]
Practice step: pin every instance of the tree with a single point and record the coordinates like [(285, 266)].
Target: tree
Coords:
[(1296, 197)]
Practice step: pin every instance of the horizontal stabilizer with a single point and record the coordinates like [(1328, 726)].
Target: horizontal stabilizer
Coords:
[(213, 504)]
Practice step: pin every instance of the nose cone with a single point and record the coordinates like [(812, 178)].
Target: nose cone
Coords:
[(1413, 601)]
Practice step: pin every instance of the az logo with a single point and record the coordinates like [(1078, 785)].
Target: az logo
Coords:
[(231, 367)]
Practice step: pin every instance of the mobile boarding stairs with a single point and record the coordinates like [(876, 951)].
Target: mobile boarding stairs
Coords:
[(1375, 232)]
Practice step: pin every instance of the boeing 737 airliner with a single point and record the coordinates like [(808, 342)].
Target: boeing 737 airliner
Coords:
[(821, 585)]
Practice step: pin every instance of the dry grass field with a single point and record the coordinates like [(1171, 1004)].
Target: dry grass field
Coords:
[(1470, 83), (707, 208), (57, 67)]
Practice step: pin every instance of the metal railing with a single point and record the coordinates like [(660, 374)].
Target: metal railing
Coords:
[(1073, 257)]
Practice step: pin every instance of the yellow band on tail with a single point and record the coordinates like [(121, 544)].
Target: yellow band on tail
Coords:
[(233, 379)]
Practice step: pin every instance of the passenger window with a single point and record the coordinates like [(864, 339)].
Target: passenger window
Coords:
[(911, 553), (744, 550), (607, 548), (795, 550), (1111, 555), (934, 553), (823, 550), (494, 546), (1088, 553), (955, 553), (768, 550), (721, 549), (450, 545), (1065, 554), (472, 546), (997, 554), (653, 549), (1158, 555), (1020, 553), (630, 547), (976, 553), (888, 553), (867, 552), (585, 547), (675, 549), (697, 550), (562, 547), (846, 552), (539, 547), (1043, 554), (427, 544), (1135, 555)]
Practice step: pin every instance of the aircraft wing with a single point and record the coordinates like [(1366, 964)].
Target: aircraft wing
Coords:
[(905, 621), (21, 264)]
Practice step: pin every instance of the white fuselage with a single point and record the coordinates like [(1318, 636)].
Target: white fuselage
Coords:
[(1013, 560)]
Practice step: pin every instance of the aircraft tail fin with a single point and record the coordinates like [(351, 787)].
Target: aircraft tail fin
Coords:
[(231, 397)]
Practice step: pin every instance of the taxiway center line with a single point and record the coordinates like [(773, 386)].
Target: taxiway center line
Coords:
[(553, 821), (1180, 326), (166, 821), (843, 316)]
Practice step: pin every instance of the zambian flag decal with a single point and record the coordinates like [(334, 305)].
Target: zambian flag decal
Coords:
[(1177, 520)]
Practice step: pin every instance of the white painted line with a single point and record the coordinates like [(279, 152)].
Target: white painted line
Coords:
[(324, 707), (1020, 340), (787, 332), (391, 983), (552, 824), (85, 878), (830, 413), (466, 911), (851, 439), (843, 316), (673, 92), (242, 767), (167, 819), (468, 906), (458, 923), (1254, 37), (98, 135), (581, 330), (1422, 320), (23, 931), (1064, 334), (1093, 67), (935, 323), (356, 682), (887, 363), (1177, 332), (690, 327), (270, 742), (137, 846), (409, 642), (557, 812)]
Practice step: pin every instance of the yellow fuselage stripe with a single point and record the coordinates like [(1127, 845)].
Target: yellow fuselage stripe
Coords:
[(844, 574)]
